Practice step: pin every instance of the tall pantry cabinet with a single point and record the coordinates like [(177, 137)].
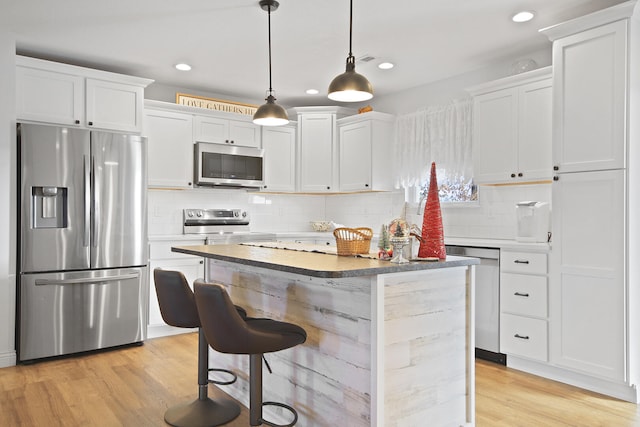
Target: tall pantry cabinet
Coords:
[(594, 293)]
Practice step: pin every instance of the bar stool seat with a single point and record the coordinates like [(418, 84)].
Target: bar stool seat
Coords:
[(178, 308), (227, 332)]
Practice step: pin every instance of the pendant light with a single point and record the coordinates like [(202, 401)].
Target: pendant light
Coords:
[(350, 86), (270, 114)]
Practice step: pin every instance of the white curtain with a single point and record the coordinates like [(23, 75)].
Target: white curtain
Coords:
[(440, 134)]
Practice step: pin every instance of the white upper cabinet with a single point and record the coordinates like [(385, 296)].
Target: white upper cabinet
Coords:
[(590, 74), (317, 142), (112, 105), (225, 131), (512, 128), (170, 148), (279, 144), (365, 152), (535, 130), (50, 97), (55, 93)]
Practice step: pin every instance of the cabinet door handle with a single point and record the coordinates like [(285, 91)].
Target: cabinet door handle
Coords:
[(77, 122), (90, 123), (556, 168), (328, 188), (520, 174), (513, 175), (522, 337), (520, 294), (556, 178), (521, 261), (201, 262), (366, 185)]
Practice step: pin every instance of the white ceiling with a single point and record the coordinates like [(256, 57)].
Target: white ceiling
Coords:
[(226, 40)]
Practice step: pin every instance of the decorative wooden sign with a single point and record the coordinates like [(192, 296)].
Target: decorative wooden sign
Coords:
[(215, 104)]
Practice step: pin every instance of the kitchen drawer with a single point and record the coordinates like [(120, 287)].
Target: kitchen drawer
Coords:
[(523, 262), (162, 250), (523, 294), (523, 336)]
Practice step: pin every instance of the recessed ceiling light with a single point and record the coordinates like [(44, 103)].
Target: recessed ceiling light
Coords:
[(524, 16), (183, 67), (312, 91), (385, 65)]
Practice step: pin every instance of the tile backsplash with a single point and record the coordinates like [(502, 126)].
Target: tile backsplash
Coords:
[(492, 217)]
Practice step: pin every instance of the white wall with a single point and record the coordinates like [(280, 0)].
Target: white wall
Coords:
[(167, 93), (444, 91), (7, 200)]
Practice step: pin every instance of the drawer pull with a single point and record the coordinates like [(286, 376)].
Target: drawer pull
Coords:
[(522, 337), (520, 261), (520, 294)]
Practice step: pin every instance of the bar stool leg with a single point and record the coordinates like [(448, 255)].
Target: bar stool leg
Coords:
[(203, 412), (255, 389)]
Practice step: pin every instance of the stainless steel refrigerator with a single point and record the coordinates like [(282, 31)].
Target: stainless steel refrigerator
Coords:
[(82, 247)]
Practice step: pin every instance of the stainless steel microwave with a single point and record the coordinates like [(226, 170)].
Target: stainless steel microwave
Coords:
[(228, 165)]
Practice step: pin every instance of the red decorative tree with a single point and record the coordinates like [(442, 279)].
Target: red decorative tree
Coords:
[(432, 242)]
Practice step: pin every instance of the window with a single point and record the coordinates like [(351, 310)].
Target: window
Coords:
[(440, 134)]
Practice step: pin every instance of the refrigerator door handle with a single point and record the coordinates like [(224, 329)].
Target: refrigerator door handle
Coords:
[(86, 169), (95, 211), (90, 280)]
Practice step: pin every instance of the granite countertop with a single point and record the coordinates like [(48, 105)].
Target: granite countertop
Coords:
[(314, 264)]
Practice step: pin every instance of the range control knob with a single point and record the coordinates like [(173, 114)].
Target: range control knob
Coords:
[(244, 214), (190, 214), (199, 214)]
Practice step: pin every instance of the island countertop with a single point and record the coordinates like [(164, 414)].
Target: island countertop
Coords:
[(314, 264)]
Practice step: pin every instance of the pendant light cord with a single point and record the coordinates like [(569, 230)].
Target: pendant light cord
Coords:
[(350, 25), (269, 25)]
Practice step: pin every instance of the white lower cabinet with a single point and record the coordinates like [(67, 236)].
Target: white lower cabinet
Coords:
[(160, 256), (523, 336), (588, 271), (524, 305)]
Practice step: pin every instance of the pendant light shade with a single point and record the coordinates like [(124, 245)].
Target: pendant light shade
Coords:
[(350, 86), (270, 114)]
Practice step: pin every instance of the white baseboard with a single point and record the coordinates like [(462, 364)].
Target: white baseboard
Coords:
[(8, 359), (609, 388), (157, 331)]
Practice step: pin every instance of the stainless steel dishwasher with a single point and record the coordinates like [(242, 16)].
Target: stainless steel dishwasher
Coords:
[(487, 300)]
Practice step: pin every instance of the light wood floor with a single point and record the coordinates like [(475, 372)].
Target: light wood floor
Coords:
[(134, 386)]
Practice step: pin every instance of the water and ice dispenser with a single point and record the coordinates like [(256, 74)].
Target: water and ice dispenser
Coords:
[(48, 207), (533, 221)]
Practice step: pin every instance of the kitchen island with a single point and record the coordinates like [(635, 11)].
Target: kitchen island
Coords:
[(388, 344)]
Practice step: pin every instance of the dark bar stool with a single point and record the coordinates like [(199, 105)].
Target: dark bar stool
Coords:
[(227, 332), (178, 308)]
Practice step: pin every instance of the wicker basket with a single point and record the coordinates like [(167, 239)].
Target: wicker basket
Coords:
[(353, 241)]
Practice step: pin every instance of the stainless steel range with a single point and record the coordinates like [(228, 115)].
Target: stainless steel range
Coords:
[(222, 226)]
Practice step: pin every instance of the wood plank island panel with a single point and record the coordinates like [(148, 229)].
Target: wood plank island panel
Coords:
[(382, 350)]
